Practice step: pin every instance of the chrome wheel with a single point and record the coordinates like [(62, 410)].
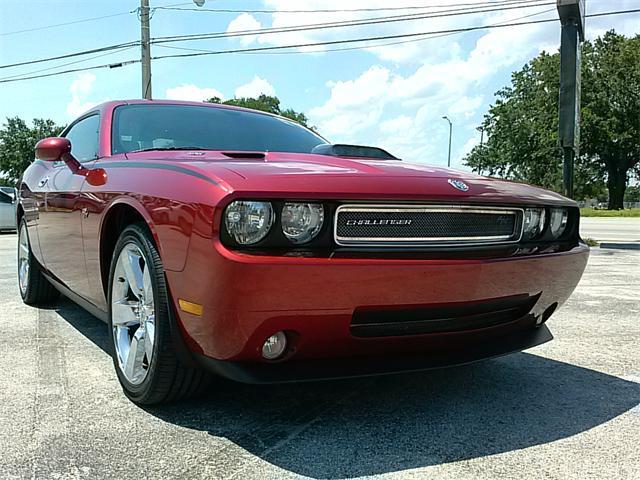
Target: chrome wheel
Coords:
[(133, 314), (23, 259)]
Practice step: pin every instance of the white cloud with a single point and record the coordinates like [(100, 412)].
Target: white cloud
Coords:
[(80, 88), (465, 107), (256, 87), (398, 100), (468, 146), (192, 93), (354, 105), (241, 23), (396, 125)]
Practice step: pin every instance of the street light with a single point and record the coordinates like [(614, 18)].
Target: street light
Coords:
[(450, 133), (199, 3)]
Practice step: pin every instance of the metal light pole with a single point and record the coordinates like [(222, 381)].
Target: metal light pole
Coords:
[(145, 58), (481, 130), (450, 134), (571, 14)]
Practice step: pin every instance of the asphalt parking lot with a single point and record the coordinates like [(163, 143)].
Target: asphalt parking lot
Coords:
[(567, 409)]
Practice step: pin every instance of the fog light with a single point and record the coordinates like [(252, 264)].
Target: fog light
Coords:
[(274, 346)]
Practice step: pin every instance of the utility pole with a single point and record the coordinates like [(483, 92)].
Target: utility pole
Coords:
[(571, 14), (481, 130), (450, 134), (145, 46)]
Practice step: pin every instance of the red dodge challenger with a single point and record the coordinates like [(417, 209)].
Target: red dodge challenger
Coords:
[(225, 240)]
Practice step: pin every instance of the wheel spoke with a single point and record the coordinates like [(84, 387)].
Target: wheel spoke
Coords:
[(149, 337), (134, 367), (133, 272), (147, 287), (122, 313)]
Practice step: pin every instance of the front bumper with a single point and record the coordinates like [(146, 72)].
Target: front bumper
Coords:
[(247, 298), (335, 368)]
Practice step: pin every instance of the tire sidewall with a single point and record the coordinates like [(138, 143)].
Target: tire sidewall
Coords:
[(25, 294), (138, 235)]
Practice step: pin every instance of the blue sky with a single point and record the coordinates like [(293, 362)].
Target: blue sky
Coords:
[(390, 96)]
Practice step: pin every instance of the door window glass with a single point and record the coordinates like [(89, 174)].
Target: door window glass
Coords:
[(84, 138)]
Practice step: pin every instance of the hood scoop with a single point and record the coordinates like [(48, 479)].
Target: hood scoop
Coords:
[(246, 155), (352, 151)]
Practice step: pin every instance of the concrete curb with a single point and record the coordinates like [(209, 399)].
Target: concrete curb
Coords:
[(621, 245)]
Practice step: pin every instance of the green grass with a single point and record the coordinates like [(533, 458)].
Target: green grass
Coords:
[(592, 212), (591, 242)]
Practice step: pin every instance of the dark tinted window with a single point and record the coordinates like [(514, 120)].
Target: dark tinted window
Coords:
[(137, 127), (5, 198), (9, 191), (84, 138)]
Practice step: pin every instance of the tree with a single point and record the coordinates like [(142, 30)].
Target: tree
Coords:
[(265, 103), (522, 126), (17, 145), (611, 113), (632, 194)]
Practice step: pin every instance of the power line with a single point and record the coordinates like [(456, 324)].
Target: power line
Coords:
[(335, 10), (74, 70), (247, 50), (366, 21), (75, 54), (383, 37), (46, 27), (65, 64), (83, 20), (347, 23), (427, 36)]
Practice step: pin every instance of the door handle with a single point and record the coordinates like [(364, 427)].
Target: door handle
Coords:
[(43, 182)]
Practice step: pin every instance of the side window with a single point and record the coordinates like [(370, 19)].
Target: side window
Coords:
[(5, 198), (84, 138)]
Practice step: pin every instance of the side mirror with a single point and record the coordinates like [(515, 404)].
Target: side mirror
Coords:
[(53, 149)]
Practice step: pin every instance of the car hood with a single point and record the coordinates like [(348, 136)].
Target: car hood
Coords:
[(321, 176)]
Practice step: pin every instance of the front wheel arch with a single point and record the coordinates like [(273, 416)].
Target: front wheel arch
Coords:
[(119, 216)]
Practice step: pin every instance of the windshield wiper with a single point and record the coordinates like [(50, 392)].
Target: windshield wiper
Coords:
[(164, 149)]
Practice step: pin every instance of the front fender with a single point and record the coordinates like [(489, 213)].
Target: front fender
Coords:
[(170, 223)]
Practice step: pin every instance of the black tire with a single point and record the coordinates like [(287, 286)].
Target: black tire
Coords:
[(37, 291), (166, 379)]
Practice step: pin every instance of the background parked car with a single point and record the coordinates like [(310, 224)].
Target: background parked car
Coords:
[(8, 204)]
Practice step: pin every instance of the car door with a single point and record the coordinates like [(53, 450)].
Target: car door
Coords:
[(7, 211), (60, 222)]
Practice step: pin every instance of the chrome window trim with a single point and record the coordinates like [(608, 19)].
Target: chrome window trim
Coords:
[(426, 241)]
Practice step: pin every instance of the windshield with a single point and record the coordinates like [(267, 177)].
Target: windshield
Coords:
[(175, 127)]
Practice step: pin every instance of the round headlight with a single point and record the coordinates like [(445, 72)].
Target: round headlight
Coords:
[(301, 222), (533, 223), (248, 222), (558, 221)]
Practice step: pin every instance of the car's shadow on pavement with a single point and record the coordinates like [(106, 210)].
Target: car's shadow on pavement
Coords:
[(369, 426)]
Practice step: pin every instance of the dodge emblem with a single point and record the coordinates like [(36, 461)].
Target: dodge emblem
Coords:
[(458, 184)]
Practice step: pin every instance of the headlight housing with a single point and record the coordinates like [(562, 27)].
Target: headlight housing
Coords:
[(533, 223), (558, 221), (248, 222), (301, 222)]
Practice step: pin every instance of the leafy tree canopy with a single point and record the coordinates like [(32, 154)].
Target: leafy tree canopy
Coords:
[(522, 126), (17, 145), (265, 103)]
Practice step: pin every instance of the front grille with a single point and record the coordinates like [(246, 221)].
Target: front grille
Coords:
[(441, 318), (392, 225)]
